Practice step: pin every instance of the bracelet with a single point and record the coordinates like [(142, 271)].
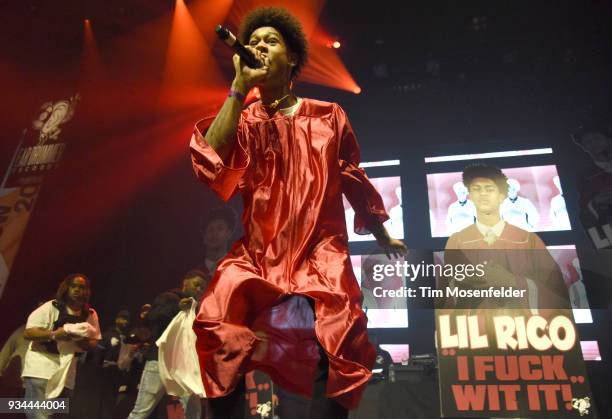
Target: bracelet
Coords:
[(237, 95), (52, 335)]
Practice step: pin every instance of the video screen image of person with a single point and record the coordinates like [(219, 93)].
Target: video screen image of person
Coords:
[(510, 256), (534, 201), (462, 212), (518, 210)]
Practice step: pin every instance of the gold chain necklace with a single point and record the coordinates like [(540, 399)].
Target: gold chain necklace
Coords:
[(277, 102)]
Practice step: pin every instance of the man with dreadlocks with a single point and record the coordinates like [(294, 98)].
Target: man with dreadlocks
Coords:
[(291, 159), (57, 330)]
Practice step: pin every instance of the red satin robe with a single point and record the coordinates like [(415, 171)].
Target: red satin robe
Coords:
[(291, 172)]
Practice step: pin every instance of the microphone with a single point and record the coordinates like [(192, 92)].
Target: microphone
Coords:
[(231, 41)]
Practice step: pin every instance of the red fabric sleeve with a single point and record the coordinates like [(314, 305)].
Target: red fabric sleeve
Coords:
[(223, 177), (363, 197)]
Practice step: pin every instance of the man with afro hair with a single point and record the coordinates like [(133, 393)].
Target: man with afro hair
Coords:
[(291, 159)]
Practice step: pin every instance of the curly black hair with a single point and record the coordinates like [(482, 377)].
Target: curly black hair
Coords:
[(486, 171), (288, 26), (62, 289)]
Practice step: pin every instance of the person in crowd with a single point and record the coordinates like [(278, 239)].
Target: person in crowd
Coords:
[(57, 330), (216, 228), (109, 375), (131, 363), (165, 306), (112, 338)]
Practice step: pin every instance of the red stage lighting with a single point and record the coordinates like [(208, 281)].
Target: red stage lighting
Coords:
[(357, 90), (91, 70), (189, 62), (324, 66), (336, 44)]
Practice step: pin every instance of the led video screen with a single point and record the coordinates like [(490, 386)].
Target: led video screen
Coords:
[(567, 261), (391, 191), (382, 310), (534, 202)]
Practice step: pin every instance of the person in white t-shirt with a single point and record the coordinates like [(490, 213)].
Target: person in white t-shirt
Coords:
[(518, 210), (462, 212), (57, 330)]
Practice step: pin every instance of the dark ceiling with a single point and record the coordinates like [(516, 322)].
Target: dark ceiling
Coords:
[(464, 68), (398, 33)]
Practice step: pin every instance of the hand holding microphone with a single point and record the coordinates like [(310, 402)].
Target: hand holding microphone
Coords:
[(250, 67), (231, 41)]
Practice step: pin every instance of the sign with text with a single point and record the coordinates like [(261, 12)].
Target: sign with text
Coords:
[(511, 363)]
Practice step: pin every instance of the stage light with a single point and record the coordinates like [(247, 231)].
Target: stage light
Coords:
[(333, 43), (357, 90), (324, 65), (189, 62), (91, 67)]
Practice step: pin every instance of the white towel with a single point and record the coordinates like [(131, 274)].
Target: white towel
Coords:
[(179, 367), (84, 329), (66, 350)]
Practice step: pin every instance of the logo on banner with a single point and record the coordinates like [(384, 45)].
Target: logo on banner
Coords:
[(52, 117), (582, 405), (40, 151)]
